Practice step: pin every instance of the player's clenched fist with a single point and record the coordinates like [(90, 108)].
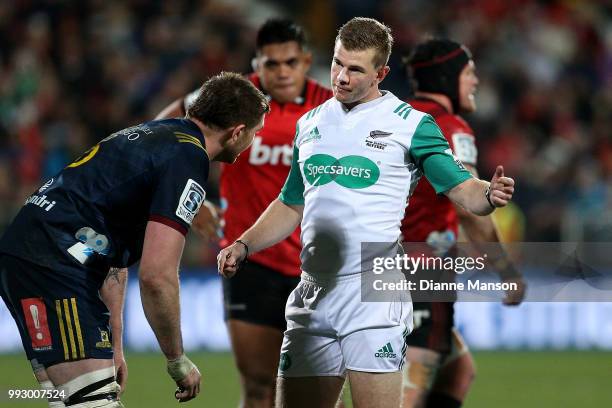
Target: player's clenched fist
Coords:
[(230, 258), (187, 377), (501, 189)]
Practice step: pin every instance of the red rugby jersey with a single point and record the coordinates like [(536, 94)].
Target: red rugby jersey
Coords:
[(430, 216), (251, 183)]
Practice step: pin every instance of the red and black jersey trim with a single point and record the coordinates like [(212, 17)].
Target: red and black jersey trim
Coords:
[(317, 94), (170, 223)]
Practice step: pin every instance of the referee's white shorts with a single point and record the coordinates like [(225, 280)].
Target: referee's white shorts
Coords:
[(330, 329)]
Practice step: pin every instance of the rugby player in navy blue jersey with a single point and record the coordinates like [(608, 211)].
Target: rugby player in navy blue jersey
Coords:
[(131, 197)]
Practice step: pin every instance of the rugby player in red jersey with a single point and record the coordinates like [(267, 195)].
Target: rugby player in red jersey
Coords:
[(439, 368), (255, 299)]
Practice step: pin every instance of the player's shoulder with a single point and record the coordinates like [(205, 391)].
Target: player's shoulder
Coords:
[(177, 136), (459, 125), (400, 114)]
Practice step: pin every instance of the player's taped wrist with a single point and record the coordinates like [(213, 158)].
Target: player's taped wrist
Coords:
[(488, 197), (505, 268), (180, 367)]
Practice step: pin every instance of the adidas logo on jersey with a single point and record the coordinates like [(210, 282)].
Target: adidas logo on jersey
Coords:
[(312, 136), (385, 352), (263, 154)]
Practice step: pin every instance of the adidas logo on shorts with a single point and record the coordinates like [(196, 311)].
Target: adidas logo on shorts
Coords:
[(385, 352)]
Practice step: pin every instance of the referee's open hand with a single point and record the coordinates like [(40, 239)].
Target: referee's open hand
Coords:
[(230, 258)]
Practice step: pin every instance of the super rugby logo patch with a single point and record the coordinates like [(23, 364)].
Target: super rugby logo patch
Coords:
[(190, 202)]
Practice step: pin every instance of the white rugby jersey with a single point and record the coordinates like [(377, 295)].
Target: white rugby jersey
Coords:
[(353, 172)]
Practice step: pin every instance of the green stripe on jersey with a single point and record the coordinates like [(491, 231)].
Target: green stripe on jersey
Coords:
[(292, 192), (403, 110)]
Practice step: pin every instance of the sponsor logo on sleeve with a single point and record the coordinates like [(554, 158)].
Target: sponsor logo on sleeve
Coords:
[(190, 201), (457, 161), (464, 147)]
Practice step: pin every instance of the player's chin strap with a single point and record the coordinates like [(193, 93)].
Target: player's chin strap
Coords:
[(94, 389)]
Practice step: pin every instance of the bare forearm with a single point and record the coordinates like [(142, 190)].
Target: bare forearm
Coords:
[(112, 293), (275, 224), (471, 195), (160, 301)]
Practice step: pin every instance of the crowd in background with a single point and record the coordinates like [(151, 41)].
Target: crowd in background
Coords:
[(72, 72)]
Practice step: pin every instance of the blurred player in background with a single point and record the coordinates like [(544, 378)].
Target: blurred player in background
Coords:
[(132, 196), (439, 368), (351, 159), (255, 300)]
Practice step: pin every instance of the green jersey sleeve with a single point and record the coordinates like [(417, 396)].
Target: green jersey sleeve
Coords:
[(433, 156), (292, 192)]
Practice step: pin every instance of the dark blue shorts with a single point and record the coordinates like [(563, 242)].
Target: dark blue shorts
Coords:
[(59, 318)]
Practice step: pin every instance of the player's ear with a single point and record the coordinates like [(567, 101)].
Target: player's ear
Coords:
[(382, 72), (307, 59), (237, 132), (254, 64)]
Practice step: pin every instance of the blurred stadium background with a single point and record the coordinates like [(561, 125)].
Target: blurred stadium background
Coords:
[(71, 72)]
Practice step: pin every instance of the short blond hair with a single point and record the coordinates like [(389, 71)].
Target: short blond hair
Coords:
[(362, 33)]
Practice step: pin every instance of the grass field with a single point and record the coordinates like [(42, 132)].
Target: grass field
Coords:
[(505, 379)]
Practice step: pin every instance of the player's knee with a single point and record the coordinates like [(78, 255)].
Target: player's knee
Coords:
[(259, 386), (465, 371), (94, 389)]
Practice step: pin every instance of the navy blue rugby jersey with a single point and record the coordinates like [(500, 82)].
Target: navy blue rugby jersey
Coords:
[(93, 213)]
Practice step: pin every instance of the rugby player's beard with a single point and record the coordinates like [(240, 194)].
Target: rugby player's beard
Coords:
[(231, 151), (228, 155)]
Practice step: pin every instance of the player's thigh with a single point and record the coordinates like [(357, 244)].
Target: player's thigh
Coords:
[(62, 373), (60, 319), (256, 349), (380, 390), (307, 392)]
